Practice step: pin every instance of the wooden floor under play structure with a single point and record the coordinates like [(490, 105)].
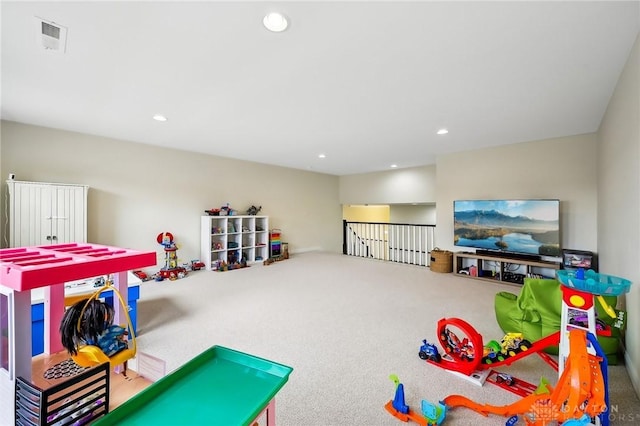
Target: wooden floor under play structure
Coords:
[(121, 388)]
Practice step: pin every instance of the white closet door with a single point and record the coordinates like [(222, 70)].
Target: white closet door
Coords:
[(30, 215), (68, 221), (45, 213)]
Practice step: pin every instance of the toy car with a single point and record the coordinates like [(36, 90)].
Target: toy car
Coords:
[(429, 351), (467, 353), (506, 379), (451, 341), (492, 353), (141, 275), (514, 343), (196, 265), (583, 321), (462, 349)]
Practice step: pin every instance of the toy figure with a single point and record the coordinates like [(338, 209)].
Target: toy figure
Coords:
[(253, 210), (91, 323)]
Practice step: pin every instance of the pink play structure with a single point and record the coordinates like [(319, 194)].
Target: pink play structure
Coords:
[(26, 268)]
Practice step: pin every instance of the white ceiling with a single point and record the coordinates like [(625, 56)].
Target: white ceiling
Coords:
[(366, 83)]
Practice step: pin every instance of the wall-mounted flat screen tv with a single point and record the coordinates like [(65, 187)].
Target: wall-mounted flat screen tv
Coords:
[(516, 226)]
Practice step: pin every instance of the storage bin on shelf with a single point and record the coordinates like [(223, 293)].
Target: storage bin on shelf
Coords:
[(592, 282)]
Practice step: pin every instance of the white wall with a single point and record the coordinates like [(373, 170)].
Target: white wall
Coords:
[(563, 168), (412, 185), (137, 191), (619, 198)]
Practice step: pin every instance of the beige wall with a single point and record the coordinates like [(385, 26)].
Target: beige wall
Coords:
[(619, 198), (137, 191), (412, 185), (420, 215), (353, 213), (396, 213), (563, 168)]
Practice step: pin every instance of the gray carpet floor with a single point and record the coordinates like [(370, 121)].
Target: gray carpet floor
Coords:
[(345, 325)]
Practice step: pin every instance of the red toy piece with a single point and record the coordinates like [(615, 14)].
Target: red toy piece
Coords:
[(465, 354), (196, 265), (140, 274), (461, 352)]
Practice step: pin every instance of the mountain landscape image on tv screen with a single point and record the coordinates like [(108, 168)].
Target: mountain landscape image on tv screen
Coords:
[(518, 226)]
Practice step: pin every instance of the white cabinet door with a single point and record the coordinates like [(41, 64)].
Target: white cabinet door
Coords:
[(45, 213), (30, 214), (68, 220)]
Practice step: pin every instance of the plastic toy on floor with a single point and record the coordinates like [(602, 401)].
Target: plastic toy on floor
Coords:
[(460, 353), (582, 389), (171, 269), (429, 351), (431, 414), (537, 311)]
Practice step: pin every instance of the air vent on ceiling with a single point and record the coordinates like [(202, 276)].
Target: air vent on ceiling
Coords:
[(51, 36)]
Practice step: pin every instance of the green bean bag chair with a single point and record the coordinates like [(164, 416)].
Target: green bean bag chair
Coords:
[(536, 313)]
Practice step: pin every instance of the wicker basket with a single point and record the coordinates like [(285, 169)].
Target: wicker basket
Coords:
[(441, 260)]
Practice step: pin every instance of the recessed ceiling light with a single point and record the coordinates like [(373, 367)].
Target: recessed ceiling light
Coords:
[(275, 22), (159, 117), (443, 131), (322, 156), (393, 166)]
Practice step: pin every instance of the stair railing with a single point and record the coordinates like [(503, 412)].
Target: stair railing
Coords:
[(394, 242)]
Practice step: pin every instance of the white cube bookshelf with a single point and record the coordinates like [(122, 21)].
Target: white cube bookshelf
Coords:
[(229, 238)]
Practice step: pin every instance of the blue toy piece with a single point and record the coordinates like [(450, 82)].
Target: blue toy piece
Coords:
[(429, 351), (435, 414), (398, 400), (431, 415), (584, 420)]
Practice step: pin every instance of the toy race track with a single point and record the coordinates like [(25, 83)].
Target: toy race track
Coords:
[(432, 414), (512, 384), (581, 390), (462, 355)]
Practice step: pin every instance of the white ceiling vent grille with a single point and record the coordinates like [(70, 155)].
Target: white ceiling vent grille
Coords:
[(51, 36)]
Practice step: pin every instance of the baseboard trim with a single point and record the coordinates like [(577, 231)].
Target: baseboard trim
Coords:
[(305, 250), (633, 372)]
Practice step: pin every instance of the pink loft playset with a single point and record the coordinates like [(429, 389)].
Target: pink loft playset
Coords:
[(84, 398), (49, 267)]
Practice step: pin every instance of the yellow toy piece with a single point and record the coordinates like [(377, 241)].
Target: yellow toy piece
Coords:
[(607, 308), (90, 355)]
